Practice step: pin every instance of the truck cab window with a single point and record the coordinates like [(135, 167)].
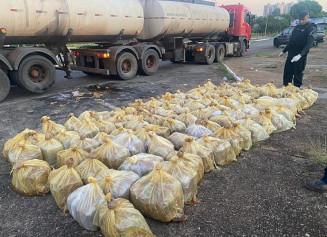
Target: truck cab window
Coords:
[(247, 17), (231, 22)]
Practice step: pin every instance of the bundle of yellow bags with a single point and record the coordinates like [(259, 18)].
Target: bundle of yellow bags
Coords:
[(153, 153)]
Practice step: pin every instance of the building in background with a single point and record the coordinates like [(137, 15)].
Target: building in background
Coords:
[(284, 8)]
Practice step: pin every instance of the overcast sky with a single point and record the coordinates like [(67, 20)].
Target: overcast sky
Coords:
[(256, 6)]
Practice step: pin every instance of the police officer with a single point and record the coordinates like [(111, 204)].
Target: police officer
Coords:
[(301, 41)]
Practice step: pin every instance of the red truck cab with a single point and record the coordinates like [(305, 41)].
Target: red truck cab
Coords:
[(240, 18), (239, 27)]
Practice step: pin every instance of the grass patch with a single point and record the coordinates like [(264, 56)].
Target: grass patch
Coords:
[(224, 72), (272, 65), (273, 54), (318, 150)]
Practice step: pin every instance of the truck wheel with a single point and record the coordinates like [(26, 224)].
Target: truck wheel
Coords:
[(211, 55), (150, 63), (241, 50), (4, 85), (276, 43), (220, 53), (126, 66), (36, 74)]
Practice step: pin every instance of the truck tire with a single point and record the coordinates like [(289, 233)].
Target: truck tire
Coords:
[(220, 53), (210, 55), (4, 85), (126, 66), (36, 74), (241, 50), (150, 63)]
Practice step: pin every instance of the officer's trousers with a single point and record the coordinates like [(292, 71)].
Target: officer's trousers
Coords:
[(294, 71)]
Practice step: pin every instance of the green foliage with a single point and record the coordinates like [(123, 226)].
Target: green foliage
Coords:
[(314, 8), (276, 12), (318, 150), (273, 24)]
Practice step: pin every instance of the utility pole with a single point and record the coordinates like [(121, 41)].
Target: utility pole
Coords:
[(266, 25)]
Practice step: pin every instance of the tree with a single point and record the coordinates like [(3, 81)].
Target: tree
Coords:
[(273, 23), (314, 8), (276, 12)]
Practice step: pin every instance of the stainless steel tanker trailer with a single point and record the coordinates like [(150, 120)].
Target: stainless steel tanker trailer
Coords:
[(127, 37)]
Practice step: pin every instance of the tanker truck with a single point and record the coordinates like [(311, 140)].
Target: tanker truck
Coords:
[(127, 37)]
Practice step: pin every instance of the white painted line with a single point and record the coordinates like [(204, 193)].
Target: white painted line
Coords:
[(237, 78)]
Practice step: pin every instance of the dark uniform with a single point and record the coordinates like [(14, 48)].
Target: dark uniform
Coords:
[(301, 41)]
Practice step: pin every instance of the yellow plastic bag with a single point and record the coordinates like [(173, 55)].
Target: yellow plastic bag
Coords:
[(310, 95), (222, 150), (143, 135), (244, 134), (174, 125), (101, 136), (197, 130), (264, 121), (258, 133), (229, 102), (85, 143), (130, 141), (187, 118), (13, 142), (159, 130), (185, 175), (84, 202), (88, 128), (111, 154), (227, 133), (287, 113), (159, 195), (210, 125), (50, 147), (236, 113), (33, 137), (279, 121), (136, 123), (192, 161), (202, 113), (76, 153), (141, 164), (30, 178), (63, 182), (248, 108), (223, 119), (160, 146), (119, 131), (90, 167), (107, 126), (116, 182), (72, 123), (119, 218), (194, 105), (178, 139), (153, 118), (24, 152), (66, 137), (88, 115), (50, 127), (193, 147)]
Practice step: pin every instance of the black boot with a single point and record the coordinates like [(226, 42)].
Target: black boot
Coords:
[(320, 185)]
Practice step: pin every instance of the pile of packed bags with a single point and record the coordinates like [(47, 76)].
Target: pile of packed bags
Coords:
[(108, 169)]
